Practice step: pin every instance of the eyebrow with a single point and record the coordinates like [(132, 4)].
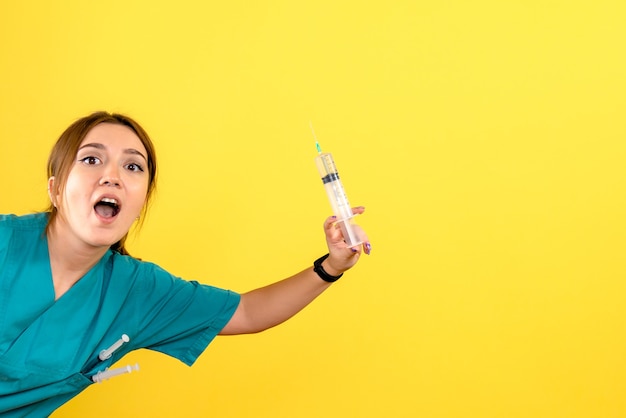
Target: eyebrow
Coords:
[(97, 145)]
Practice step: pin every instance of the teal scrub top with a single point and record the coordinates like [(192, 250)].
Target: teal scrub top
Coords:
[(49, 349)]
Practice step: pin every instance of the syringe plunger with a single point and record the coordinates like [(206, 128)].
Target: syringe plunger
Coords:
[(106, 354)]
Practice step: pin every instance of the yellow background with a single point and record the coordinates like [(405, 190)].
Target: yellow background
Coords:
[(486, 139)]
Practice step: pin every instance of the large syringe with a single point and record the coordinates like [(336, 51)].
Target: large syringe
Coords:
[(337, 196)]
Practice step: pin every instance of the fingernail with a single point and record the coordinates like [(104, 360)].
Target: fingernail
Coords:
[(368, 248), (354, 250)]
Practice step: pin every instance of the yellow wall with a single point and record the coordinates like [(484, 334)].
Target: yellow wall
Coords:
[(486, 139)]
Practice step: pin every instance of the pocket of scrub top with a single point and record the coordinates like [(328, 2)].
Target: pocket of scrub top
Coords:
[(31, 393)]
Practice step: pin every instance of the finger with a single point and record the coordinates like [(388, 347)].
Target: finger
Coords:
[(367, 246), (330, 222), (358, 210), (332, 231)]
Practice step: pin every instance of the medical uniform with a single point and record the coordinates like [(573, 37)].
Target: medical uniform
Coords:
[(49, 349)]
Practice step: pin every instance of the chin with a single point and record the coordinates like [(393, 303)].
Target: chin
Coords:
[(104, 241)]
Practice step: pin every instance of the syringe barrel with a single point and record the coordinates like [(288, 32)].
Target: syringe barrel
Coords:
[(109, 373), (337, 197), (334, 189)]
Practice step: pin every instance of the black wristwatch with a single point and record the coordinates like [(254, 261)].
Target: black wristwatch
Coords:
[(317, 267)]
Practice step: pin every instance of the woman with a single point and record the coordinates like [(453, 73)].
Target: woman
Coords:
[(70, 291)]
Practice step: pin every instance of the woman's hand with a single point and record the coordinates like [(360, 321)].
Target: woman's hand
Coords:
[(268, 306), (341, 256)]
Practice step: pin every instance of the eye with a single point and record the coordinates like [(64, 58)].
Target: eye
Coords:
[(134, 167), (90, 160)]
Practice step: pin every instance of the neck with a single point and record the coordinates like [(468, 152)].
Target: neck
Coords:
[(70, 259)]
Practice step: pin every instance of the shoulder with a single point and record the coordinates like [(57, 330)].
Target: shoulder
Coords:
[(153, 282), (20, 232), (132, 264), (142, 274), (22, 227), (33, 221)]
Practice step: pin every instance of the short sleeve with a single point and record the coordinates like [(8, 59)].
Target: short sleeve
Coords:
[(177, 317)]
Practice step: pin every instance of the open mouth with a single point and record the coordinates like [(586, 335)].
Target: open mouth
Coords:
[(107, 207)]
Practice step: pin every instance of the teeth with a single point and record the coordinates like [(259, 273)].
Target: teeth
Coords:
[(108, 200)]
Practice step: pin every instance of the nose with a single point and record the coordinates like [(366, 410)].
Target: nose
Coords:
[(110, 177), (109, 181)]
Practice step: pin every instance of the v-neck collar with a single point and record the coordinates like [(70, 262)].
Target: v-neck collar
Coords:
[(45, 248)]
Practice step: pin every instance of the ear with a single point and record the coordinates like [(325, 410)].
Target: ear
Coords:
[(52, 191)]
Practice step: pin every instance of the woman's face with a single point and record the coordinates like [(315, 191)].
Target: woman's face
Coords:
[(106, 187)]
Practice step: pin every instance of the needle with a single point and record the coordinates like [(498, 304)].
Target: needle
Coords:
[(317, 144)]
